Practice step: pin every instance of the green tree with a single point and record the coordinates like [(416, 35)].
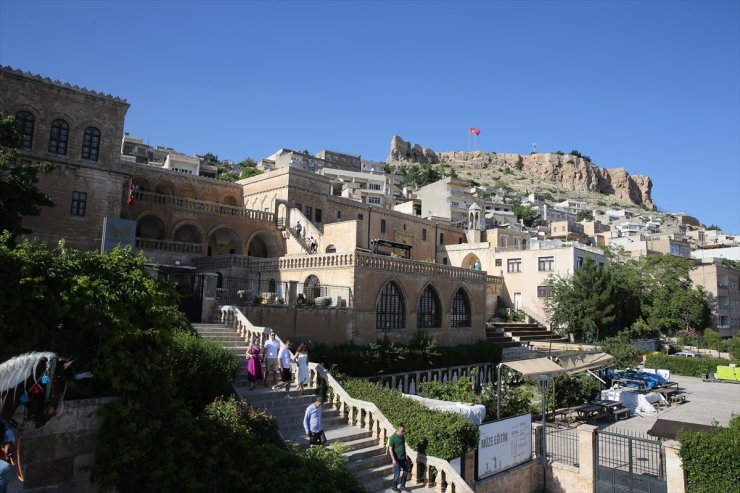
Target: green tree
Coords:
[(585, 216), (530, 216), (210, 158), (249, 172), (19, 195), (582, 305), (247, 163)]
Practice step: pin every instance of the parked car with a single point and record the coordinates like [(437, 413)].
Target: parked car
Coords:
[(686, 354)]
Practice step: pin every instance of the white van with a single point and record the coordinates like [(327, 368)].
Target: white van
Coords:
[(685, 354)]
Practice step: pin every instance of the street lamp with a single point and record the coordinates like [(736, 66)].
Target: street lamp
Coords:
[(543, 384)]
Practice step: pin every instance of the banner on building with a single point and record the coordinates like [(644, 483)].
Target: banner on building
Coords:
[(504, 444), (117, 232)]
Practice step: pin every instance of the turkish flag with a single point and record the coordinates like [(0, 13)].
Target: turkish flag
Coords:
[(130, 194), (474, 131)]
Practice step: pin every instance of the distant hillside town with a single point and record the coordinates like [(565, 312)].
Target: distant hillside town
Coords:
[(425, 241)]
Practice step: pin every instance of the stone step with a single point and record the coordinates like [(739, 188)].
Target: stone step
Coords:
[(365, 452), (371, 473), (334, 433), (360, 443), (210, 326), (293, 427), (376, 458)]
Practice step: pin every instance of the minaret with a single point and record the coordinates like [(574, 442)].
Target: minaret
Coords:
[(474, 223)]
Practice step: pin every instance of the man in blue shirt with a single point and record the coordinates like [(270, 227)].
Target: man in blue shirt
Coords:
[(312, 422)]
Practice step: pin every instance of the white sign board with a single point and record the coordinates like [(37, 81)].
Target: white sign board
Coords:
[(504, 444), (117, 232)]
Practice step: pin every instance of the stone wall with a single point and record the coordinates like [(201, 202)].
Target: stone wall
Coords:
[(524, 478), (60, 455)]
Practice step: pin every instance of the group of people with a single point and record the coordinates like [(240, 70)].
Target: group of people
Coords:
[(274, 362), (313, 245), (278, 360)]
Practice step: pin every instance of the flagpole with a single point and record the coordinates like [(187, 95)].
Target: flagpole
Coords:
[(469, 132)]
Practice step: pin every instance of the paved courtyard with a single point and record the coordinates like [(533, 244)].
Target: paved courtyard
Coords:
[(705, 402)]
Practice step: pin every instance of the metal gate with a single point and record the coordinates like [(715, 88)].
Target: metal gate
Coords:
[(628, 463)]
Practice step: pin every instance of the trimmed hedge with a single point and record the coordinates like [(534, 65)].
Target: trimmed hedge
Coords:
[(435, 433), (710, 459), (680, 365), (374, 359)]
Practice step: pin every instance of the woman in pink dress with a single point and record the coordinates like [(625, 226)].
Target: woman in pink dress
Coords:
[(254, 367)]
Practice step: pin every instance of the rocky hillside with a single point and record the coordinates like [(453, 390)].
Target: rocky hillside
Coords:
[(571, 175)]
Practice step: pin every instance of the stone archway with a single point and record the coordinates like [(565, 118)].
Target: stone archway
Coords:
[(263, 245), (229, 200), (469, 261), (224, 241), (188, 233), (165, 188), (152, 227)]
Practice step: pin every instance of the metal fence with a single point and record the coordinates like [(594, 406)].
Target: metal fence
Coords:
[(562, 445), (240, 290), (633, 451)]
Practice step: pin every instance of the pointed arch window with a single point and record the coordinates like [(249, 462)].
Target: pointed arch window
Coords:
[(461, 309), (58, 137), (390, 310), (91, 144), (428, 310), (24, 122)]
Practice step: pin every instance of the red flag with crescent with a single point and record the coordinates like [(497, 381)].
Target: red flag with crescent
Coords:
[(474, 131)]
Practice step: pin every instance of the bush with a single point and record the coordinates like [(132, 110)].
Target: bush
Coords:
[(710, 459), (619, 346), (204, 369), (435, 433), (460, 390), (692, 367), (516, 399), (733, 346)]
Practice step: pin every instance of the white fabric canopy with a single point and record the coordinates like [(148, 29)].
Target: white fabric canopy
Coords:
[(576, 363), (531, 368), (474, 412)]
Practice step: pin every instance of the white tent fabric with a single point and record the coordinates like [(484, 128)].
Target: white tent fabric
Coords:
[(531, 368), (641, 404), (576, 363), (475, 412)]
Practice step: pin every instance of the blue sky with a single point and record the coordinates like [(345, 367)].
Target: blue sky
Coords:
[(650, 86)]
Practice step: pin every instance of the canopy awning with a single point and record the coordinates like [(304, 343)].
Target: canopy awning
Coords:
[(531, 368), (576, 363), (665, 428)]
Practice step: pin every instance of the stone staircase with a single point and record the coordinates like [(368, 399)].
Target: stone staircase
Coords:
[(365, 456), (230, 340), (523, 332)]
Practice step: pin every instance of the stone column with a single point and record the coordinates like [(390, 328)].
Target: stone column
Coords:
[(586, 445), (209, 296), (292, 293), (675, 475)]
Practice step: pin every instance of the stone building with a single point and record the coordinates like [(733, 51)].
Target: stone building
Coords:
[(722, 284), (245, 233)]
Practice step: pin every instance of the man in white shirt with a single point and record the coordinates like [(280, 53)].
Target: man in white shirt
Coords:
[(270, 355), (286, 375)]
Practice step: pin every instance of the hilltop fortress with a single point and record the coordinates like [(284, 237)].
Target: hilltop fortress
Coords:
[(567, 171)]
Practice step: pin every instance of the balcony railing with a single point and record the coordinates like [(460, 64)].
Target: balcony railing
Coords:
[(201, 206), (169, 246), (344, 260)]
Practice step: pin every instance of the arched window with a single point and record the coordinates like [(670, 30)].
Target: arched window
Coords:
[(24, 125), (271, 286), (58, 137), (91, 144), (390, 312), (428, 311), (461, 309)]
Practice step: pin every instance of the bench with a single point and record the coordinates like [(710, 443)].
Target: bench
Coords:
[(678, 399), (623, 412), (596, 417)]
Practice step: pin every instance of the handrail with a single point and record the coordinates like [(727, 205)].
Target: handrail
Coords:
[(252, 334), (169, 246), (201, 206), (357, 259), (403, 381), (446, 477)]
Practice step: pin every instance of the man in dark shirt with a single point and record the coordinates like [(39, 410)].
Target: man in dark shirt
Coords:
[(397, 451)]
